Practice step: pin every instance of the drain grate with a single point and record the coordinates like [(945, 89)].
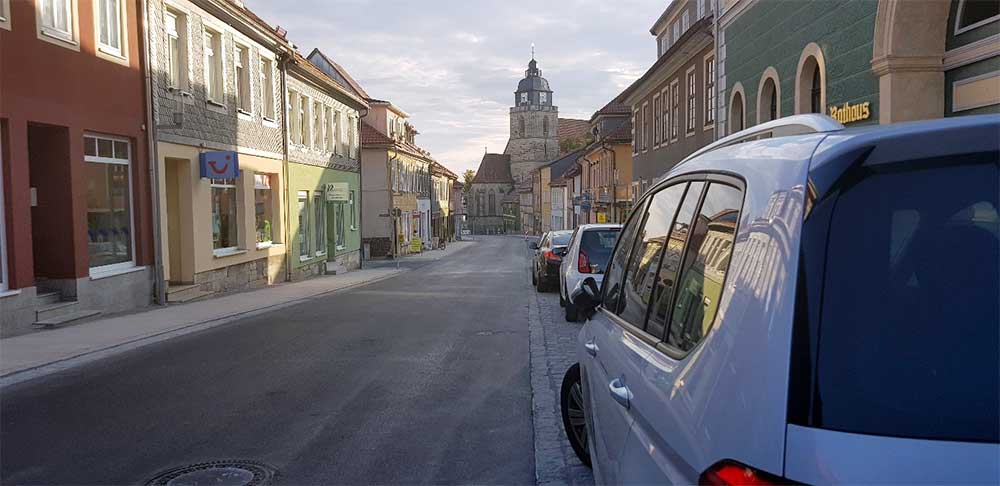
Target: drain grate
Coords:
[(227, 472)]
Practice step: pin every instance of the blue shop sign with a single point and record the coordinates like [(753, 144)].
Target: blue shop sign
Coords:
[(220, 165)]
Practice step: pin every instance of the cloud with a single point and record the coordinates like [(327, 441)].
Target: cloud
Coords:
[(453, 65)]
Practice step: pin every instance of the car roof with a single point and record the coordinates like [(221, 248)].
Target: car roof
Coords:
[(584, 227)]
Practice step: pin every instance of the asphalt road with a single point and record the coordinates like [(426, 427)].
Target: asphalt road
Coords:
[(421, 378)]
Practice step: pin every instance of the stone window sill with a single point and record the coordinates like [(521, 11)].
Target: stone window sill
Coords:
[(227, 252), (98, 275)]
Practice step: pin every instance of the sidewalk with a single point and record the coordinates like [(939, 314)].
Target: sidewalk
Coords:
[(40, 353)]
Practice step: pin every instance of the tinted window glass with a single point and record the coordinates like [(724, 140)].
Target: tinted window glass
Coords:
[(702, 273), (909, 318), (561, 239), (613, 279), (596, 247), (663, 294), (641, 274)]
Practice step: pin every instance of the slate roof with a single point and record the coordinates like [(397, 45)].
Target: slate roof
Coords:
[(342, 77), (494, 168), (559, 166), (614, 107), (306, 65), (570, 128), (622, 134)]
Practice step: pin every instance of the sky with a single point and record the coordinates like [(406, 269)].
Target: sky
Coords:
[(453, 65)]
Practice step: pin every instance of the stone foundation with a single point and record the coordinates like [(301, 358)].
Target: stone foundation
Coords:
[(243, 276), (379, 247)]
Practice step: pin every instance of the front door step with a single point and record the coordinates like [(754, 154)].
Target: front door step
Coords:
[(178, 294), (64, 319)]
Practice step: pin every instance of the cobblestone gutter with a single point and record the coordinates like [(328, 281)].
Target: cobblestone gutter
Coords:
[(552, 352)]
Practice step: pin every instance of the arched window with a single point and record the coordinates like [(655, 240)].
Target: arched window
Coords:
[(545, 127), (520, 126), (810, 81), (480, 203), (493, 203), (737, 116), (769, 96), (974, 13)]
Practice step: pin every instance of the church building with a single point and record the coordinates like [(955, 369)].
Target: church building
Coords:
[(536, 135)]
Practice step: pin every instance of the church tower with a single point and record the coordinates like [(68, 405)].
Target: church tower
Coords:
[(534, 124)]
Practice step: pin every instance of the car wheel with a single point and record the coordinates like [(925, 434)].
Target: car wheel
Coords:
[(541, 284), (562, 300), (534, 277), (573, 413), (572, 314)]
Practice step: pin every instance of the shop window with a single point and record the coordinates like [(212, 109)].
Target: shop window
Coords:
[(339, 223), (241, 63), (354, 213), (110, 28), (264, 209), (267, 88), (225, 223), (107, 171), (304, 225), (976, 13), (176, 26), (319, 221), (213, 66), (56, 19)]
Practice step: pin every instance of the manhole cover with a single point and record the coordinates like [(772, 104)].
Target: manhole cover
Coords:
[(216, 473)]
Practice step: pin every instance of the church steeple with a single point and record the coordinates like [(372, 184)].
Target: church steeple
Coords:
[(533, 90)]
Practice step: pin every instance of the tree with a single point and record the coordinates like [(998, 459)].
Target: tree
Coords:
[(570, 144), (467, 177)]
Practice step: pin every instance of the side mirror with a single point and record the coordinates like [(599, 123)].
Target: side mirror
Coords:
[(533, 245), (586, 296)]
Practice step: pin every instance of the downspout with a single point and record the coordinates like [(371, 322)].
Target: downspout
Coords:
[(614, 180), (361, 192), (718, 63), (159, 280), (283, 64)]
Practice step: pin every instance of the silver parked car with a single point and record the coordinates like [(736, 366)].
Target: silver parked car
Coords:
[(800, 302), (587, 256)]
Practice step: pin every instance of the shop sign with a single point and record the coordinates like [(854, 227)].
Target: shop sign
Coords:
[(223, 164), (338, 191), (851, 113), (602, 218), (416, 245)]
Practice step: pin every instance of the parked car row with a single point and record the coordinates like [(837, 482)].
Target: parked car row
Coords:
[(797, 302)]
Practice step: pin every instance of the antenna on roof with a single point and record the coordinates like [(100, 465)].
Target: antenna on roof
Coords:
[(486, 149)]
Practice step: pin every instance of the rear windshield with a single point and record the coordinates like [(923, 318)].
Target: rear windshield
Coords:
[(598, 245), (908, 333), (561, 239)]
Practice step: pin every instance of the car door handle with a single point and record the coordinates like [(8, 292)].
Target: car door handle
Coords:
[(620, 392), (591, 347)]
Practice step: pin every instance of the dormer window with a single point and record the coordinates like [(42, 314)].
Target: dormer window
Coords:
[(524, 98), (543, 97)]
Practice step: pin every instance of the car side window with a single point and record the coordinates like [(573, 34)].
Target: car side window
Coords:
[(613, 277), (544, 242), (703, 271), (671, 262), (641, 274)]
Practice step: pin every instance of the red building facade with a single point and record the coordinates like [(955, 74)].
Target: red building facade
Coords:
[(77, 235)]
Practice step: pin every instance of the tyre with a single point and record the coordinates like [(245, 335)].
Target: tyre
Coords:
[(574, 413), (534, 278), (542, 284), (562, 300), (572, 314)]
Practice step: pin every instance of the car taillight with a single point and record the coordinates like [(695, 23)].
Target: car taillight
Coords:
[(552, 257), (583, 263), (731, 473)]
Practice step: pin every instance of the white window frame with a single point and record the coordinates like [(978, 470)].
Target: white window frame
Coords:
[(644, 116), (657, 120), (691, 100), (241, 76), (635, 131), (675, 115), (113, 268), (215, 87), (267, 111), (958, 20), (316, 115), (543, 97), (179, 36), (711, 94), (685, 20), (330, 139), (701, 8), (305, 121), (524, 99), (4, 24), (665, 115), (352, 135), (116, 52), (69, 38), (303, 229), (675, 32)]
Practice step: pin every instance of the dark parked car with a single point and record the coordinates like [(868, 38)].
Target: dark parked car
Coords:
[(547, 259)]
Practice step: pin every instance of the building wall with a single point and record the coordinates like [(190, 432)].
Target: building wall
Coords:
[(375, 194), (480, 219), (73, 90), (545, 194), (346, 157), (193, 238), (659, 156), (220, 127), (312, 179), (782, 29)]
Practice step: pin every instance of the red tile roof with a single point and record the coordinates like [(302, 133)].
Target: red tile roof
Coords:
[(572, 128), (371, 136)]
